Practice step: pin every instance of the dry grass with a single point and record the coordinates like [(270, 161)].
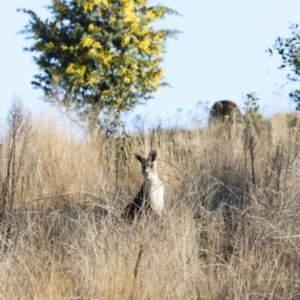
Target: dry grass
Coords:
[(231, 229)]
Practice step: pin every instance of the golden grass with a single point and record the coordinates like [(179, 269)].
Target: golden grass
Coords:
[(231, 229)]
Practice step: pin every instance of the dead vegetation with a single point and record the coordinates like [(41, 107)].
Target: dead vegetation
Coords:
[(231, 228)]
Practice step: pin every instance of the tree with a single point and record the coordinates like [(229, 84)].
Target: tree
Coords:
[(289, 50), (102, 55)]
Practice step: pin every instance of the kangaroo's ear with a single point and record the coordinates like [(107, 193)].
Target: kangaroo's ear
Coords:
[(139, 157), (152, 155)]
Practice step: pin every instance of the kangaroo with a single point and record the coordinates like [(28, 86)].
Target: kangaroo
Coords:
[(151, 194), (223, 111)]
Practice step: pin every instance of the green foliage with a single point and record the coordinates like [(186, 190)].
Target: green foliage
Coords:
[(253, 123), (251, 104), (102, 55), (253, 115), (289, 50)]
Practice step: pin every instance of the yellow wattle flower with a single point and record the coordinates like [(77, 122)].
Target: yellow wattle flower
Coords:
[(87, 41), (126, 40), (91, 28), (144, 45)]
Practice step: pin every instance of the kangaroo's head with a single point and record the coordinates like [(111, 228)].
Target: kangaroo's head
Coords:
[(149, 168)]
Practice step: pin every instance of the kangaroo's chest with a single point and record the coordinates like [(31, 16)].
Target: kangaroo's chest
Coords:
[(156, 197)]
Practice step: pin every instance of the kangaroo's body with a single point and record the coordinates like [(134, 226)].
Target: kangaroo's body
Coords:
[(223, 111), (151, 194)]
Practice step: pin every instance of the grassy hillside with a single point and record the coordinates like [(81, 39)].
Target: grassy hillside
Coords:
[(231, 228)]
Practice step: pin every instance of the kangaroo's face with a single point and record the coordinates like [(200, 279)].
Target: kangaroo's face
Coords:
[(148, 165)]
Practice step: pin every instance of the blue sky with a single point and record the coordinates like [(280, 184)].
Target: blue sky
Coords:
[(219, 55)]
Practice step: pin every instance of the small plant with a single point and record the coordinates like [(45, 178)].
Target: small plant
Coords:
[(253, 122), (252, 109)]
